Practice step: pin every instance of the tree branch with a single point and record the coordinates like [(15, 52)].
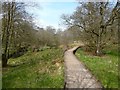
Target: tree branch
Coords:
[(114, 15)]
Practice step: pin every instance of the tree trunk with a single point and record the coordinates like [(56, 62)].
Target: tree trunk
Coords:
[(6, 41), (4, 60), (100, 32), (98, 50), (98, 46)]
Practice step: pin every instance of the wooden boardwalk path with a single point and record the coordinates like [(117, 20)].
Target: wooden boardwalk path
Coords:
[(76, 74)]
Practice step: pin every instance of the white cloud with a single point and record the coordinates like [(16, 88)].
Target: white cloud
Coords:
[(42, 23), (50, 13)]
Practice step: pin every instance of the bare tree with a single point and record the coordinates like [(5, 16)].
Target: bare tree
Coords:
[(16, 29), (93, 19)]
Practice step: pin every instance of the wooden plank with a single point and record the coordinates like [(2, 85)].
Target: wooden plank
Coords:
[(76, 74)]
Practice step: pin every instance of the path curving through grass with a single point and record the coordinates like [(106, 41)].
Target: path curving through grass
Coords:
[(76, 74)]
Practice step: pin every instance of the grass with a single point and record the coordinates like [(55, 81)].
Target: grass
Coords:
[(105, 68), (42, 69)]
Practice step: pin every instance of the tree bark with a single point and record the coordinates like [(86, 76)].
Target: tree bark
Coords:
[(4, 60), (7, 33)]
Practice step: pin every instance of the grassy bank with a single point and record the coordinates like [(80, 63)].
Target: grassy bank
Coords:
[(42, 69), (105, 68)]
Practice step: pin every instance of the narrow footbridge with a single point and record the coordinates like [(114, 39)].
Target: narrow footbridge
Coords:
[(76, 74)]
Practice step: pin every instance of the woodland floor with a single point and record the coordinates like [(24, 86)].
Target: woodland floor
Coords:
[(45, 69)]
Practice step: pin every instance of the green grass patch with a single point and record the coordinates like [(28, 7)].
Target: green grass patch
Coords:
[(105, 68), (42, 69)]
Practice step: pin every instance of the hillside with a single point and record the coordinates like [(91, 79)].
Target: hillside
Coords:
[(42, 69)]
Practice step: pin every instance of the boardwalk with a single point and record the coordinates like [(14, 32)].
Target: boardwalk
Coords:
[(76, 74)]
